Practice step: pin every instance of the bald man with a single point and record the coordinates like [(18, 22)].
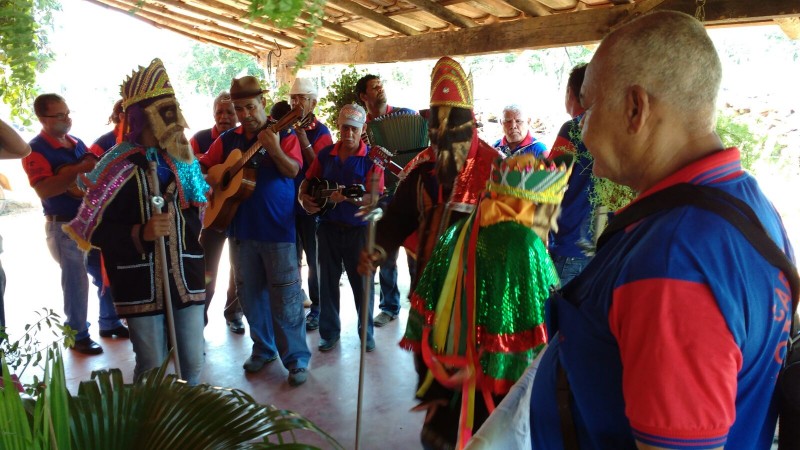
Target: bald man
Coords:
[(664, 340)]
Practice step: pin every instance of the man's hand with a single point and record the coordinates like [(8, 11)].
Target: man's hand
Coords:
[(269, 139), (367, 263), (308, 203), (156, 227)]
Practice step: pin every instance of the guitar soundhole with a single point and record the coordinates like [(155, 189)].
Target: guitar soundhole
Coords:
[(226, 179)]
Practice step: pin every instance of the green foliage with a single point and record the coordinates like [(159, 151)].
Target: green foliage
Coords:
[(212, 68), (284, 14), (735, 133), (23, 53), (158, 411), (30, 349), (340, 92)]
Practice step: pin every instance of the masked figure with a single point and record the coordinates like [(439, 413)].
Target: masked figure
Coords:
[(118, 216)]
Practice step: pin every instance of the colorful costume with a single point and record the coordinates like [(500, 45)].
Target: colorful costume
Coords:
[(674, 333), (116, 209), (479, 305)]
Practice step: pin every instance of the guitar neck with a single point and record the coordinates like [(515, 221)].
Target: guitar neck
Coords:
[(285, 122)]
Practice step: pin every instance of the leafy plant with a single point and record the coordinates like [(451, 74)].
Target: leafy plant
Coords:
[(23, 53), (212, 68), (735, 133), (284, 14), (341, 92), (158, 411), (29, 350)]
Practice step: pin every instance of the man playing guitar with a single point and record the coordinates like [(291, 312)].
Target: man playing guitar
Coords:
[(263, 231)]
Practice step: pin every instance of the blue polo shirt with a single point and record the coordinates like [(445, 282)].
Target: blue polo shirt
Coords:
[(268, 214), (356, 169), (528, 145), (674, 333), (46, 158)]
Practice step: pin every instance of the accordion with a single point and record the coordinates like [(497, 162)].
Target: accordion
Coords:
[(404, 133)]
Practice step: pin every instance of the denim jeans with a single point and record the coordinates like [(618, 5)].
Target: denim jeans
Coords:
[(390, 293), (307, 242), (213, 242), (339, 245), (149, 337), (269, 289), (74, 280), (568, 267), (108, 314)]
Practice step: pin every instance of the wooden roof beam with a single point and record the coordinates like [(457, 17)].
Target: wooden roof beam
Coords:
[(790, 26), (554, 30), (529, 7), (242, 15), (368, 14), (225, 43), (443, 13), (336, 28), (281, 38), (189, 21)]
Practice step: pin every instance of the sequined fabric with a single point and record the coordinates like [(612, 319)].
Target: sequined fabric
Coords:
[(512, 284), (111, 172)]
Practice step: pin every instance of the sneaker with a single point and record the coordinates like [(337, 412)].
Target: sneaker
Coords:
[(383, 318), (312, 321), (297, 376), (370, 345), (256, 363), (326, 345)]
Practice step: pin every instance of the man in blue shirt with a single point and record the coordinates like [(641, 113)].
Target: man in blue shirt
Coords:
[(517, 137)]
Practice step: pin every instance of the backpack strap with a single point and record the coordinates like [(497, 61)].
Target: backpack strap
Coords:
[(715, 200)]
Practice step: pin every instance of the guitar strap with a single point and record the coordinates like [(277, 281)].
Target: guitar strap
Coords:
[(730, 208)]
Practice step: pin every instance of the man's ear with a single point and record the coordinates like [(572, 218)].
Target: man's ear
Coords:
[(637, 108)]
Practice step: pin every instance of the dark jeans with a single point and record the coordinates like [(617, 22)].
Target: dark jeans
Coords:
[(306, 227), (213, 242), (337, 245)]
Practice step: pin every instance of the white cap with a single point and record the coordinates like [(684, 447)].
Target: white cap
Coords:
[(303, 86)]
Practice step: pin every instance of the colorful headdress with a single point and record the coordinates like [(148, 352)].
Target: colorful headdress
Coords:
[(450, 85), (529, 178), (146, 83)]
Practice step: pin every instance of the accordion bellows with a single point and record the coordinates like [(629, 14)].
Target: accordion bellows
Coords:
[(399, 132)]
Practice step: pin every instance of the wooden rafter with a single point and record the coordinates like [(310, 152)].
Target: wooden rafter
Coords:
[(554, 30), (376, 17), (336, 28), (529, 7), (208, 39), (443, 13), (161, 14), (204, 11)]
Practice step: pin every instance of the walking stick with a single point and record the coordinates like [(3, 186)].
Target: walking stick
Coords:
[(371, 213), (161, 249)]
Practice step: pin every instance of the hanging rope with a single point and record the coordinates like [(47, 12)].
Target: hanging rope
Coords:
[(700, 12)]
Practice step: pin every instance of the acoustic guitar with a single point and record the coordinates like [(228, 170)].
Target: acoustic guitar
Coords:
[(232, 183), (321, 190)]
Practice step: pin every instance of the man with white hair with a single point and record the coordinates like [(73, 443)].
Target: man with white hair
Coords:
[(662, 341), (213, 240), (313, 137), (517, 139)]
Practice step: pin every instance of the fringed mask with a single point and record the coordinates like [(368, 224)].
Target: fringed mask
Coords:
[(451, 132), (167, 123)]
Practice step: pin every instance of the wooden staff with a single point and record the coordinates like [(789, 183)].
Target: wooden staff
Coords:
[(371, 213), (161, 249)]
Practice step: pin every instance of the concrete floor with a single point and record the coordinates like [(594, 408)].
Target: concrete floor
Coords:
[(329, 398)]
